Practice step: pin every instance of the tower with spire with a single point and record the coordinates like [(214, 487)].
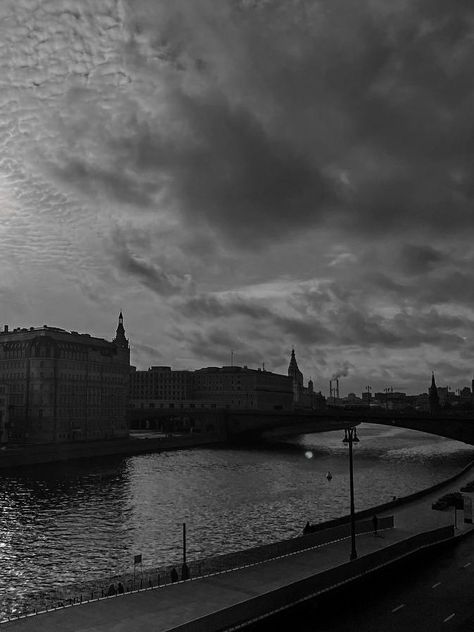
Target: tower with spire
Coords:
[(121, 341), (297, 376), (433, 397)]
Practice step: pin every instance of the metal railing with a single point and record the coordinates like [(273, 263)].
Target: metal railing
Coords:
[(153, 578)]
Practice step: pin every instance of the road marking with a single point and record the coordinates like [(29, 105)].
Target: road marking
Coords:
[(450, 617), (466, 565), (436, 585), (398, 607)]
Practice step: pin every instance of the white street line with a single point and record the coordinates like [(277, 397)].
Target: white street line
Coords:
[(466, 565), (450, 617), (398, 607), (436, 585)]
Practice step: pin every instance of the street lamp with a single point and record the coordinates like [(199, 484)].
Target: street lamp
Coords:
[(350, 437)]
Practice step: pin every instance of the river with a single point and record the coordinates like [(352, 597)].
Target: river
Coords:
[(85, 520)]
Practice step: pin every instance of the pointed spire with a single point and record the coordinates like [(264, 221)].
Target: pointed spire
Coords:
[(433, 395), (293, 363), (293, 370), (120, 338)]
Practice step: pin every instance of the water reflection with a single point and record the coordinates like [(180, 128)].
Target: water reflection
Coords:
[(61, 524)]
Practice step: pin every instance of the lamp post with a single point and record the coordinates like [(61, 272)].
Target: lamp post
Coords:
[(350, 437), (184, 568)]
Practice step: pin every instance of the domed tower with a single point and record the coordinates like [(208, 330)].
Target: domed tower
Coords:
[(121, 341), (295, 373)]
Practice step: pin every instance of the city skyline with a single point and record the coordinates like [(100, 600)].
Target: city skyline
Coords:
[(244, 176)]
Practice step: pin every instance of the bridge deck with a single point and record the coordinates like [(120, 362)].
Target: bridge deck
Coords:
[(165, 608)]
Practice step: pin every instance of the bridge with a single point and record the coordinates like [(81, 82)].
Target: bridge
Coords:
[(252, 425)]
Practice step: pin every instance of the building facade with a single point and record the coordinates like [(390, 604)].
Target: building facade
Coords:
[(303, 396), (4, 408), (159, 385), (64, 386), (211, 387), (241, 387)]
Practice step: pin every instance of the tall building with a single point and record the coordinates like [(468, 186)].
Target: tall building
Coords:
[(296, 376), (64, 386), (303, 397)]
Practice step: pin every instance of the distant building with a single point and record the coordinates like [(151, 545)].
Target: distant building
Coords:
[(158, 385), (303, 397), (211, 387), (433, 398), (443, 395), (353, 400), (391, 400), (227, 387), (241, 387), (64, 386), (422, 402)]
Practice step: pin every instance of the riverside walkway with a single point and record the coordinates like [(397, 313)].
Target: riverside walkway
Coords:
[(223, 600)]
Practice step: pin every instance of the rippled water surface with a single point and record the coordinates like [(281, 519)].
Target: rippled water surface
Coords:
[(65, 523)]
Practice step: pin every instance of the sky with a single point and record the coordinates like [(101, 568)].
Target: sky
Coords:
[(244, 175)]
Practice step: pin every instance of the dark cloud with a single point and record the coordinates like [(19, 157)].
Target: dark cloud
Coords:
[(146, 272), (344, 324), (419, 259), (283, 117), (231, 173), (213, 307)]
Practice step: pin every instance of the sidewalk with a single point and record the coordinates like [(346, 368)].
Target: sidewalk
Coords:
[(164, 608), (417, 515)]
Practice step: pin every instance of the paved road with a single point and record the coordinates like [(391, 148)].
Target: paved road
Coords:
[(436, 596)]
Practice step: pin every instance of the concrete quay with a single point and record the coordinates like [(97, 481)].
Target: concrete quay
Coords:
[(223, 600), (25, 456)]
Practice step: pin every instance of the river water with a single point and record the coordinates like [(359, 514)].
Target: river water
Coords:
[(65, 523)]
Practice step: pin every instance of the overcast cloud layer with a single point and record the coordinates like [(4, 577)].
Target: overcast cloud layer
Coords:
[(244, 174)]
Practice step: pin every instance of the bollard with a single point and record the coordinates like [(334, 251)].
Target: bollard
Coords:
[(81, 598), (92, 596)]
